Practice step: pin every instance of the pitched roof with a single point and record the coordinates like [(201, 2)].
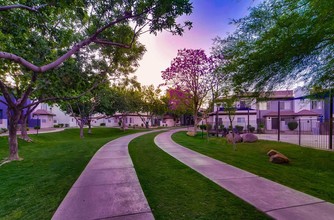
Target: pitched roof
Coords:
[(42, 112), (307, 113), (291, 113)]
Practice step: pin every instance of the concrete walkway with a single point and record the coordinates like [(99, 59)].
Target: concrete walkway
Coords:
[(108, 188), (277, 201)]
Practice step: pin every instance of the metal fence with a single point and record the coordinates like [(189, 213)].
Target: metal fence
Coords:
[(308, 132)]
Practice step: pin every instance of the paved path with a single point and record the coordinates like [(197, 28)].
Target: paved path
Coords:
[(277, 201), (108, 188)]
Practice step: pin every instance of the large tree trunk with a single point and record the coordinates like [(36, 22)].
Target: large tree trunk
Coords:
[(13, 117), (195, 121), (81, 125), (24, 133), (89, 126), (123, 123)]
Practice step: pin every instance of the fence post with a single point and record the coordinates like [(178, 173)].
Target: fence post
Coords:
[(330, 119), (279, 122), (299, 132)]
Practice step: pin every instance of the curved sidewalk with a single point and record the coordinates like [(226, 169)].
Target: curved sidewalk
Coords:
[(108, 188), (276, 200)]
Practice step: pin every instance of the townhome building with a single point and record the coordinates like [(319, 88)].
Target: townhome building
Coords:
[(244, 114), (3, 113)]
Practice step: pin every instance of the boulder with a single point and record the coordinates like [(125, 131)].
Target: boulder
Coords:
[(277, 157), (237, 138), (249, 138), (271, 153), (191, 133)]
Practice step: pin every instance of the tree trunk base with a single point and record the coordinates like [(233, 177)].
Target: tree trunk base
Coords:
[(27, 139), (14, 158)]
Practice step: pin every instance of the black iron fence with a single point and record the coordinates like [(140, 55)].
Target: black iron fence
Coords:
[(303, 132)]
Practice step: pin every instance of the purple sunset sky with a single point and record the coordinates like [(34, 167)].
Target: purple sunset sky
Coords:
[(210, 19)]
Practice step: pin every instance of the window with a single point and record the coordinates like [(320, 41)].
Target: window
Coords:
[(262, 106), (1, 116), (268, 105), (241, 120), (131, 120), (109, 121), (315, 104), (242, 104), (43, 120), (281, 105)]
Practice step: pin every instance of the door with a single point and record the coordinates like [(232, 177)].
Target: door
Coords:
[(274, 123)]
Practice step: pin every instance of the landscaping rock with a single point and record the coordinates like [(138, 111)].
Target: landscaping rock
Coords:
[(249, 138), (271, 153), (191, 133), (277, 157), (237, 138)]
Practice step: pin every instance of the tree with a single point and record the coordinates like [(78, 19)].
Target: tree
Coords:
[(47, 35), (191, 72), (280, 42), (178, 102), (153, 105)]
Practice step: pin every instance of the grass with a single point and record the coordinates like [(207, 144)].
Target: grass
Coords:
[(33, 188), (174, 191), (310, 170)]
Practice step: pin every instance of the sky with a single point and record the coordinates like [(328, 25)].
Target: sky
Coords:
[(210, 19)]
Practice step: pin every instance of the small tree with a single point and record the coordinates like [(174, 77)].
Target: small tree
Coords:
[(191, 72), (292, 125)]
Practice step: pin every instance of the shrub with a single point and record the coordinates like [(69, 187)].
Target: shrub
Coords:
[(239, 128), (3, 130), (209, 127), (56, 126), (103, 124), (221, 127), (142, 125), (292, 125), (37, 127), (251, 128), (202, 127), (61, 125)]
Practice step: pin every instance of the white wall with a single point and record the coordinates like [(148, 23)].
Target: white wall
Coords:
[(3, 123), (46, 121)]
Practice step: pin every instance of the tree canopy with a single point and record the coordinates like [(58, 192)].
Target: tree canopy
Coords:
[(281, 42), (192, 73)]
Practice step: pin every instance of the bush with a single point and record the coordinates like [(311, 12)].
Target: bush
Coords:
[(61, 125), (209, 127), (239, 128), (56, 126), (251, 128), (37, 127), (292, 125), (103, 124), (202, 127), (3, 130)]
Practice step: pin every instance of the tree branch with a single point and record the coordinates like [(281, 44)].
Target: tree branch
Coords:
[(33, 9), (66, 98), (68, 54)]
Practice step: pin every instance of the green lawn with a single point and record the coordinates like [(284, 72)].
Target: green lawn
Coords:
[(310, 171), (174, 191), (33, 188)]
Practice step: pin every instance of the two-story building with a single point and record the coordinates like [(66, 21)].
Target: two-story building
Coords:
[(244, 114)]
